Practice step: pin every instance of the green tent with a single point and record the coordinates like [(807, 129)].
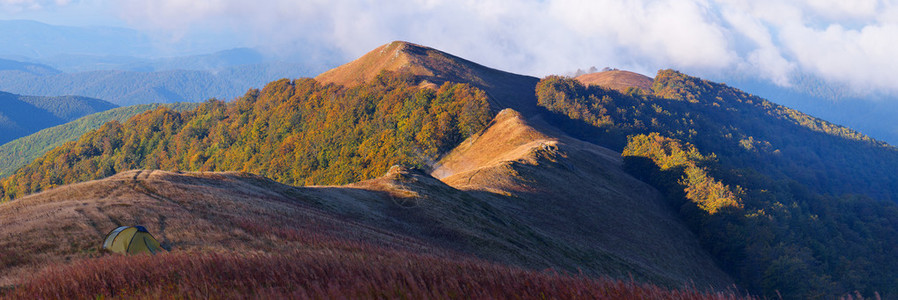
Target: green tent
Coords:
[(131, 240)]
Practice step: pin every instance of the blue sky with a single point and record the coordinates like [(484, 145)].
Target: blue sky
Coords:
[(846, 43)]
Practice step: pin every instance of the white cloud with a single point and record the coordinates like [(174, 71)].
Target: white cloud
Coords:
[(863, 59), (763, 57), (17, 6), (845, 42), (844, 10), (661, 31)]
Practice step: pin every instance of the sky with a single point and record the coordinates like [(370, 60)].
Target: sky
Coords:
[(852, 44)]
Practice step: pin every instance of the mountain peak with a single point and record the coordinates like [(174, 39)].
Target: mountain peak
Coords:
[(431, 67), (396, 57), (617, 79)]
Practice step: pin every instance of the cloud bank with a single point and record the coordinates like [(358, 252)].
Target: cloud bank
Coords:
[(847, 43)]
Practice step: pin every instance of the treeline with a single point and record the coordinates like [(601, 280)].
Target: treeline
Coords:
[(733, 166), (296, 132)]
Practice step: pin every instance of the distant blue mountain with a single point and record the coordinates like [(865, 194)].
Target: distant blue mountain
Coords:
[(24, 115), (123, 66), (31, 68), (131, 87), (32, 39), (218, 60), (36, 39)]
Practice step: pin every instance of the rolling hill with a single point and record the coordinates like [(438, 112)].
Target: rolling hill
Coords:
[(691, 181), (21, 151), (24, 115)]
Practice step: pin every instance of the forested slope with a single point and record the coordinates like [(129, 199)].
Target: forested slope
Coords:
[(295, 132), (774, 194)]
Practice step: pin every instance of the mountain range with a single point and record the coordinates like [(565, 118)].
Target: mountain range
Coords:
[(672, 181), (125, 67), (75, 63), (125, 88), (28, 38)]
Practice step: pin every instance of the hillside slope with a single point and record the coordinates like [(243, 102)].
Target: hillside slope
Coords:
[(403, 211), (183, 211), (245, 236), (24, 115), (432, 67), (579, 194), (770, 190), (743, 130)]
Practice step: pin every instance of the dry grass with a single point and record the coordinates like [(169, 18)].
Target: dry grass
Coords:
[(241, 246), (301, 274), (507, 138), (618, 80), (387, 57), (193, 211)]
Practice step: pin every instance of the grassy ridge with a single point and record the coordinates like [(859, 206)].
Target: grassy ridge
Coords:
[(23, 150)]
